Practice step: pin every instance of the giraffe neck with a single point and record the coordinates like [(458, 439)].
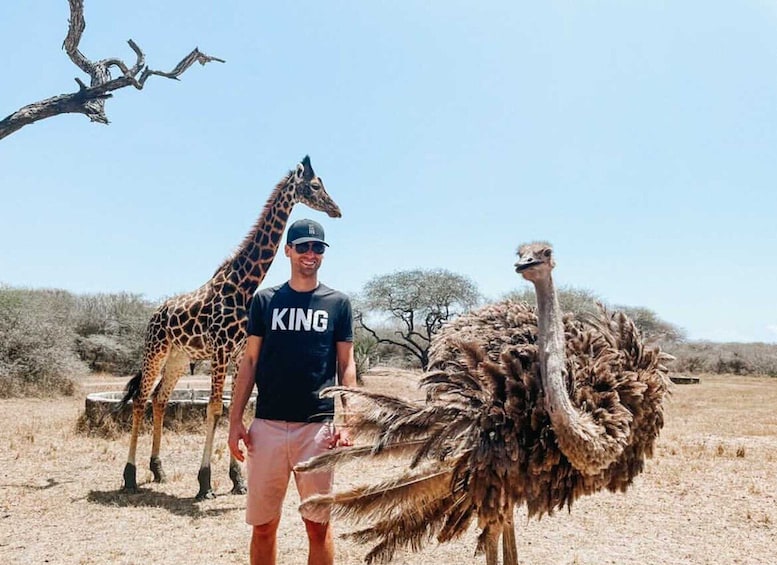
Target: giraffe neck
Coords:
[(249, 264)]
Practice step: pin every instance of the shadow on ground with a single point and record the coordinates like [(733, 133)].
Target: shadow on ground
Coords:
[(146, 498)]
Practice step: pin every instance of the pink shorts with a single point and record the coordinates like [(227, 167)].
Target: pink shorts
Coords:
[(276, 447)]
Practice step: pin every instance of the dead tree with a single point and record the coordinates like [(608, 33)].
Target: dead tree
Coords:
[(90, 100)]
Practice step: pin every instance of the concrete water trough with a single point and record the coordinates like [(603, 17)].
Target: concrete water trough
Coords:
[(187, 408), (684, 380)]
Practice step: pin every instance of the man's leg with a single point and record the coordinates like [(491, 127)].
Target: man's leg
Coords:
[(321, 547), (311, 440), (264, 543), (268, 476)]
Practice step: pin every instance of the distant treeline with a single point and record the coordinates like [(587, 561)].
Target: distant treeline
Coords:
[(726, 358), (47, 337)]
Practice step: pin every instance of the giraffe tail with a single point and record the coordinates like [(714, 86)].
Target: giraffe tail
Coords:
[(132, 390)]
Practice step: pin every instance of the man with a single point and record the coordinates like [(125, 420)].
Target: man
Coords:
[(300, 338)]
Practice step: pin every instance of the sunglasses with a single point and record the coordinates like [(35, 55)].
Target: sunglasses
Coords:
[(317, 247)]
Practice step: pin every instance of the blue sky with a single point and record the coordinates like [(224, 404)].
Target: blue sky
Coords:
[(638, 137)]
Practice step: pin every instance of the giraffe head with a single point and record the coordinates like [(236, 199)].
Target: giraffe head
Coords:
[(309, 189)]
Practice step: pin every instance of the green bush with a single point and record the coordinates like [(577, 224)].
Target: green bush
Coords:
[(36, 343), (107, 354), (364, 352), (575, 300), (111, 330), (49, 336)]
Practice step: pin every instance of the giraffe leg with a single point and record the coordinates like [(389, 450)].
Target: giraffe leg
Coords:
[(215, 408), (175, 366), (152, 362), (509, 546), (236, 475), (130, 469)]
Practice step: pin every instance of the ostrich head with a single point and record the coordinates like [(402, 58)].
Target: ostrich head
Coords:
[(535, 260)]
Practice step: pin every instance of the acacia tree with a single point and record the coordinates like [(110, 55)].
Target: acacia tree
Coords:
[(90, 100), (419, 302)]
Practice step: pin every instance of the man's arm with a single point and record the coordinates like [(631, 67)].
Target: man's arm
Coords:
[(244, 384), (346, 373), (346, 366)]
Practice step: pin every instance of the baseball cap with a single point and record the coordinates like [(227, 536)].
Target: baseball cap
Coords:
[(303, 231)]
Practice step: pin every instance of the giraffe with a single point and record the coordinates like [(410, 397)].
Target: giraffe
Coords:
[(210, 323)]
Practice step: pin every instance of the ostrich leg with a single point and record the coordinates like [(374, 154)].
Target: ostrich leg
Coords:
[(492, 546), (509, 547)]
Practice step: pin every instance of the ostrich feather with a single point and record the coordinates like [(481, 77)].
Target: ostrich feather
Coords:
[(391, 404), (387, 498), (342, 455), (411, 530)]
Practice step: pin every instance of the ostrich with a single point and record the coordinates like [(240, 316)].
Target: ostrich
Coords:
[(522, 407)]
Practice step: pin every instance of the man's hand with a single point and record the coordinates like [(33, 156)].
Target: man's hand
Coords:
[(342, 437), (238, 432)]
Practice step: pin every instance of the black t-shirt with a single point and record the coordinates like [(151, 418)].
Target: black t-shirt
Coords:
[(298, 357)]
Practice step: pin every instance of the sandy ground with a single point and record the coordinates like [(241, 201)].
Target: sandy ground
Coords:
[(709, 495)]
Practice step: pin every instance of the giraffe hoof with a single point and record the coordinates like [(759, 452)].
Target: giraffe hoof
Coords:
[(156, 469), (130, 482), (239, 489), (206, 492), (207, 495), (238, 483)]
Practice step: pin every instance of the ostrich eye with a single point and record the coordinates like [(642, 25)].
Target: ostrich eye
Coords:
[(546, 252)]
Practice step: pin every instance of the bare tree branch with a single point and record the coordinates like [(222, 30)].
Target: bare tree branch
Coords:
[(90, 100), (408, 344)]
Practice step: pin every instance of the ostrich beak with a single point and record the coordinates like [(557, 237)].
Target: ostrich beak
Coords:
[(524, 263)]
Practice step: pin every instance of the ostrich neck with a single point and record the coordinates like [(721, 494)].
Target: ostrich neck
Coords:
[(584, 442), (552, 352)]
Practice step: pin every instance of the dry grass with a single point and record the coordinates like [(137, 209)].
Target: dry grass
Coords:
[(707, 497)]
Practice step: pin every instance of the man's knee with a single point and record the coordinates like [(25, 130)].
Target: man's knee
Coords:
[(267, 531), (318, 532)]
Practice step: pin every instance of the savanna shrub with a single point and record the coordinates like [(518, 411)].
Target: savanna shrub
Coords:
[(725, 358), (111, 330), (364, 352), (36, 343), (107, 354)]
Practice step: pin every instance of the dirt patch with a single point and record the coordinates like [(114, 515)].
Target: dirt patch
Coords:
[(708, 496)]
